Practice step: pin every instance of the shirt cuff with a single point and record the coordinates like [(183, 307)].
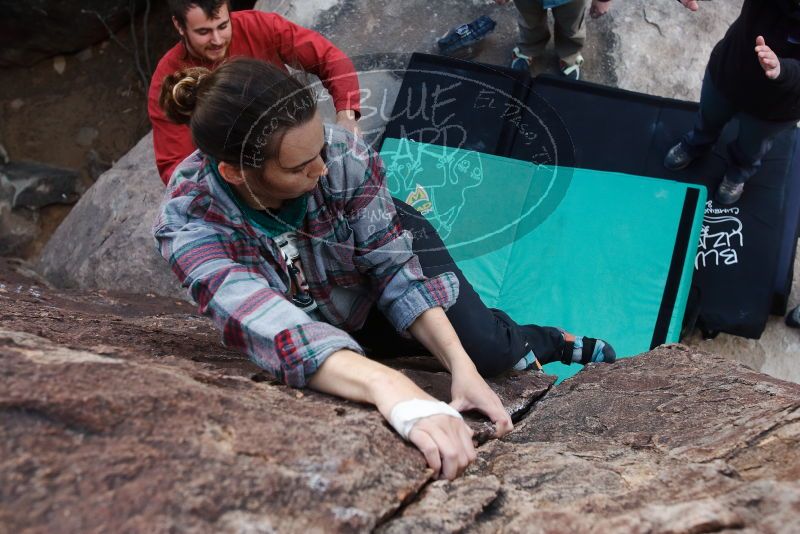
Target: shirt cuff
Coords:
[(351, 100), (439, 291), (302, 349)]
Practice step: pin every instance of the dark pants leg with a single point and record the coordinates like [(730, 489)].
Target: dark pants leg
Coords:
[(491, 338), (754, 140), (715, 112), (751, 145)]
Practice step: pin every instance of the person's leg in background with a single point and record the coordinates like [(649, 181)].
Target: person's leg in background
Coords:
[(570, 35), (746, 152), (715, 112), (494, 341), (533, 33)]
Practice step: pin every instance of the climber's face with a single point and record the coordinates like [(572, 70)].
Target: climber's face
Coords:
[(206, 38)]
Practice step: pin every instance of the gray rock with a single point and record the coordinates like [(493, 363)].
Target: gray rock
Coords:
[(661, 48), (35, 185), (388, 32), (106, 241), (301, 12)]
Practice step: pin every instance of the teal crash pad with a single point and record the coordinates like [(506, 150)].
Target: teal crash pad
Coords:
[(602, 254)]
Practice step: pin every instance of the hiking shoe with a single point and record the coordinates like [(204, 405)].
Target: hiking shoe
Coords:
[(793, 319), (678, 157), (728, 192), (463, 37), (573, 72), (520, 61)]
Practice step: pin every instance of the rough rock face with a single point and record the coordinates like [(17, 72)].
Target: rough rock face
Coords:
[(303, 13), (123, 413), (661, 48), (106, 241), (672, 441)]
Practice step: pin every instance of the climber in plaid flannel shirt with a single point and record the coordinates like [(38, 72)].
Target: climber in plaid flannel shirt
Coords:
[(285, 235)]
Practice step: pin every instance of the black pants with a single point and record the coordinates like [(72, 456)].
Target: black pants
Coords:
[(491, 338)]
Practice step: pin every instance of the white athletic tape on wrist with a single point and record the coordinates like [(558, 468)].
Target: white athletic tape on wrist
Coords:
[(405, 414)]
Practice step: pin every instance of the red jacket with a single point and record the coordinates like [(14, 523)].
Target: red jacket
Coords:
[(259, 35)]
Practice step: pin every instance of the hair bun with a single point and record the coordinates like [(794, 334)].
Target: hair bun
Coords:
[(179, 93)]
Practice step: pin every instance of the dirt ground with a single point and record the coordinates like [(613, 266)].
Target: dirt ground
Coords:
[(49, 117)]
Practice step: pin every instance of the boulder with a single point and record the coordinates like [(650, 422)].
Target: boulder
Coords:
[(671, 441), (106, 240), (33, 30), (123, 413), (187, 434)]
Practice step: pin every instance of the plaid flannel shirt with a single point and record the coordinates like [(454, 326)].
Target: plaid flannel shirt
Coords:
[(353, 249)]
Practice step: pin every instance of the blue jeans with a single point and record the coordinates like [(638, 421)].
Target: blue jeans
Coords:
[(752, 143)]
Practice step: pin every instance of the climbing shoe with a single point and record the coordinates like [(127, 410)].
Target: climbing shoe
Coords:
[(583, 350)]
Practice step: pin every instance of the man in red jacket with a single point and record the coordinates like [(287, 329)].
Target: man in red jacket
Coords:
[(210, 33)]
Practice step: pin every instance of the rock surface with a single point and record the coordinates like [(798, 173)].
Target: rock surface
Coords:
[(106, 242), (661, 48), (123, 413)]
